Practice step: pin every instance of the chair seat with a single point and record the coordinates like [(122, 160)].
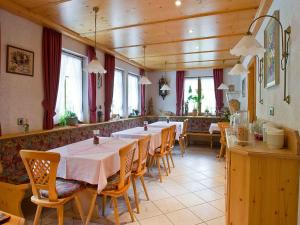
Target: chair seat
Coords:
[(135, 166), (112, 182), (64, 188)]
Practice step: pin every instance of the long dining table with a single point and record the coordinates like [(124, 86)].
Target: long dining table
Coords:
[(164, 124)]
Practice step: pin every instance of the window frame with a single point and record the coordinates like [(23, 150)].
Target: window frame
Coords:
[(139, 91), (124, 90)]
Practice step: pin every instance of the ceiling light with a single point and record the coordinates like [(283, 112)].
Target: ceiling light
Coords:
[(144, 80), (165, 87), (197, 47), (191, 31), (178, 3), (223, 87), (238, 69), (95, 66)]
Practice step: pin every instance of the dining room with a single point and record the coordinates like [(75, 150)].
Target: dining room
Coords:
[(149, 112)]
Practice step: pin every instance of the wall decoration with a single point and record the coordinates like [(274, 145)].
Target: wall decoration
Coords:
[(19, 61), (244, 87), (272, 54), (231, 87), (161, 82)]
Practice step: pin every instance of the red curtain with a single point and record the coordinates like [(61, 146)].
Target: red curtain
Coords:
[(109, 84), (143, 95), (51, 50), (218, 80), (179, 92), (92, 87)]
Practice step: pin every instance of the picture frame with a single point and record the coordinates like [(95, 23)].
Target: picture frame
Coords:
[(19, 61), (244, 87), (272, 54)]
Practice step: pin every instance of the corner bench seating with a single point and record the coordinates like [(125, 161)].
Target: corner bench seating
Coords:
[(14, 181)]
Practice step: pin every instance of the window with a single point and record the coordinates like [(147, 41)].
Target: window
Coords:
[(133, 93), (200, 86), (118, 99), (69, 97)]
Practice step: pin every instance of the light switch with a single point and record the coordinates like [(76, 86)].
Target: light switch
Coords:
[(271, 110)]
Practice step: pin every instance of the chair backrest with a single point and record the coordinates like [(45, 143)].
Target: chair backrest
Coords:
[(126, 160), (185, 126), (144, 145), (172, 136), (41, 168), (164, 139)]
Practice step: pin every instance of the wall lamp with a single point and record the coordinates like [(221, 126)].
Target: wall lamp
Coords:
[(248, 45)]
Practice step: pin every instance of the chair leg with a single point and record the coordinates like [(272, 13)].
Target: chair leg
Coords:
[(164, 162), (167, 156), (171, 157), (136, 197), (115, 203), (104, 198), (92, 206), (128, 206), (37, 215), (158, 167), (79, 208), (144, 187), (181, 144), (60, 213)]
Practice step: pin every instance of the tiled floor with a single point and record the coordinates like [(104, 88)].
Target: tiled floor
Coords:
[(192, 194)]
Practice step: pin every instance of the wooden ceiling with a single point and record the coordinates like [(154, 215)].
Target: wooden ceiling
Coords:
[(198, 34)]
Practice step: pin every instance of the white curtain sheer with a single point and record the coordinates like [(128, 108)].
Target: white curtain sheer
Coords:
[(117, 103), (190, 83), (69, 96), (133, 93), (208, 92)]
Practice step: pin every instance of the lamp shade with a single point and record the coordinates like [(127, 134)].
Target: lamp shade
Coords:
[(248, 45), (95, 67), (145, 81), (223, 87), (165, 87), (238, 69)]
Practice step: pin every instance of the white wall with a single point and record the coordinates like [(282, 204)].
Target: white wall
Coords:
[(287, 114), (21, 96), (169, 104)]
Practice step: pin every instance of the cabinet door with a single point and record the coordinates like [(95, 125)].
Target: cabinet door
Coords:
[(238, 189)]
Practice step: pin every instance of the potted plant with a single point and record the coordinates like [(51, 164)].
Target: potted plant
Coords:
[(69, 118), (196, 99)]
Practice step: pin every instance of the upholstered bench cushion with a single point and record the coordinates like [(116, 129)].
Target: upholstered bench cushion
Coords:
[(64, 188), (14, 176), (112, 182)]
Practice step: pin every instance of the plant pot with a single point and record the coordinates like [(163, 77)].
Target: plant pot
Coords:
[(72, 121), (195, 112)]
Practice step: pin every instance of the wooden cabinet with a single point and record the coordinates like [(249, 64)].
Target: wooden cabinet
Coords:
[(262, 184)]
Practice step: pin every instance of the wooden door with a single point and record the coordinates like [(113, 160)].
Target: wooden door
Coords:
[(252, 91)]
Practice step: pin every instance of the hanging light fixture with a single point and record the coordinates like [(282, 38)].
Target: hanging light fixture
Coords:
[(95, 66), (223, 87), (238, 69), (144, 79), (165, 87)]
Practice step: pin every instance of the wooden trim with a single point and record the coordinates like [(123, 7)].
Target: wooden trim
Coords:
[(182, 40), (182, 53), (252, 91), (200, 67), (25, 13), (208, 60), (214, 13), (262, 10)]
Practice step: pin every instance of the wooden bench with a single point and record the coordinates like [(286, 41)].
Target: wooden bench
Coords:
[(211, 137)]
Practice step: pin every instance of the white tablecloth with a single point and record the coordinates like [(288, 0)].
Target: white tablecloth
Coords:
[(163, 124), (138, 132), (213, 127), (91, 163)]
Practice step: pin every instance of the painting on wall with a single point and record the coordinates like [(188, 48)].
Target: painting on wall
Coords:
[(19, 61), (271, 57), (244, 87)]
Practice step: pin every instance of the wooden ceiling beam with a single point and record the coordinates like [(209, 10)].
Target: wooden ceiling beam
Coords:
[(262, 10), (206, 60), (198, 67), (214, 13), (182, 40), (182, 53), (25, 13)]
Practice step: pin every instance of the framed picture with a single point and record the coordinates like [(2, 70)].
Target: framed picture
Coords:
[(244, 87), (272, 54), (19, 61)]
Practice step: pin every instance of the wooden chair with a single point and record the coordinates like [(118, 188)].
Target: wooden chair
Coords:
[(117, 185), (170, 146), (140, 168), (48, 191), (183, 139), (161, 152), (223, 126)]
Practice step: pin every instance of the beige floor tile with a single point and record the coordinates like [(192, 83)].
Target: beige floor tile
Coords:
[(212, 182), (157, 193), (206, 211), (183, 217), (218, 221), (176, 190), (219, 204), (220, 190), (157, 220), (181, 179), (208, 195), (147, 210), (168, 205), (189, 199), (194, 186)]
